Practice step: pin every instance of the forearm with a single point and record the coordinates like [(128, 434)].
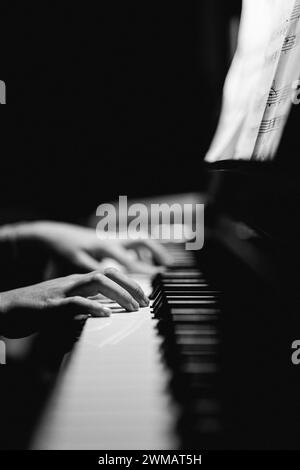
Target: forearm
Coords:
[(8, 245), (2, 312), (21, 254), (13, 236)]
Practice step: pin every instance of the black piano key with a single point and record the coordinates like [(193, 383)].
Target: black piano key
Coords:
[(186, 280), (165, 297), (163, 310), (190, 290), (197, 339), (193, 296), (186, 286), (191, 303), (180, 318), (192, 293), (176, 274), (195, 311), (187, 330), (188, 309)]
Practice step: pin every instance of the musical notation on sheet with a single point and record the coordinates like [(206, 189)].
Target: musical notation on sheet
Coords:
[(259, 91), (289, 43), (296, 13), (278, 95), (270, 125)]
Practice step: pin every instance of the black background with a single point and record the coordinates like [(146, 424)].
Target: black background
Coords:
[(111, 98)]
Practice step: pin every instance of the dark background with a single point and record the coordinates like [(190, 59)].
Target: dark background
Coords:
[(111, 98)]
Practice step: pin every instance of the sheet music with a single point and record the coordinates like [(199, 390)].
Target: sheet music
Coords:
[(259, 87)]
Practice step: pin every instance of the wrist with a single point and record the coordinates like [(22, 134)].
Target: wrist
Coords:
[(27, 230), (17, 231), (16, 239), (3, 305), (8, 243), (1, 314), (24, 231)]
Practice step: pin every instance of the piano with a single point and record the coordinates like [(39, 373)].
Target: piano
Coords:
[(206, 366)]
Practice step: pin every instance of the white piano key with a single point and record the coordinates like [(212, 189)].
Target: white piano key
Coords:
[(111, 392)]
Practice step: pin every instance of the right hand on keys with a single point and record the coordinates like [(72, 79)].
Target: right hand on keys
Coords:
[(23, 311)]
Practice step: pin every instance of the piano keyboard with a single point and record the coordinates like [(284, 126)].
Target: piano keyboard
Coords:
[(188, 312), (146, 379)]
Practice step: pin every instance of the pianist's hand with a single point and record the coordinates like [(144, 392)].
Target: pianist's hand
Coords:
[(25, 310), (80, 249)]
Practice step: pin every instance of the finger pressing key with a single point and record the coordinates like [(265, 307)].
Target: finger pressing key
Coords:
[(88, 285), (129, 284)]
